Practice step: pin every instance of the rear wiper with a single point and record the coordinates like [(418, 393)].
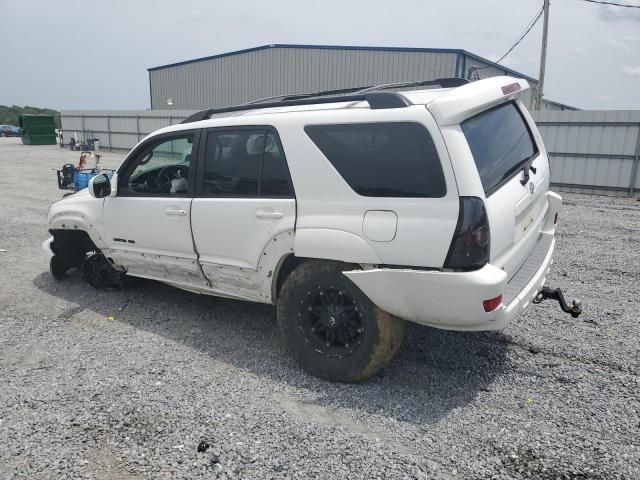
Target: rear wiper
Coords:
[(526, 166)]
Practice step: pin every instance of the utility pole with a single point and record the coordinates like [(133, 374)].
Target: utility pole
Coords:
[(543, 56)]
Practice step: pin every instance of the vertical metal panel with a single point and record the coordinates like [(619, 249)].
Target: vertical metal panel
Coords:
[(117, 128), (596, 149), (256, 74), (248, 75)]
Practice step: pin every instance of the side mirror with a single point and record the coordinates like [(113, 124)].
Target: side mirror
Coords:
[(100, 186)]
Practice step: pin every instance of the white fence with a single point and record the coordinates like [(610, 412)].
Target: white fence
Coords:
[(590, 151)]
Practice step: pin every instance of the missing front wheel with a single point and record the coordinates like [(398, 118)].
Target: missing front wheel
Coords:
[(99, 273)]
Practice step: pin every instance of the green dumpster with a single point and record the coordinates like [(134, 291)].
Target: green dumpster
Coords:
[(38, 129)]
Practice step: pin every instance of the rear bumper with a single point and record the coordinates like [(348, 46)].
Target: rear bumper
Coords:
[(453, 300)]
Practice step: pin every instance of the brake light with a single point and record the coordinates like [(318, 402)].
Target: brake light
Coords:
[(491, 304), (555, 219), (513, 87), (471, 241)]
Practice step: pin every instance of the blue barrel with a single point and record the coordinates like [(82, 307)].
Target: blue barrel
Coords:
[(81, 177)]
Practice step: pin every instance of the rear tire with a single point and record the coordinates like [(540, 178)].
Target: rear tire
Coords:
[(331, 328)]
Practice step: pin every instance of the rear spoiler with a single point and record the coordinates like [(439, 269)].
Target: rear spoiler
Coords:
[(468, 100)]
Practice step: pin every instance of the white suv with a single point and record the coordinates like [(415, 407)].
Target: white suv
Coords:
[(350, 210)]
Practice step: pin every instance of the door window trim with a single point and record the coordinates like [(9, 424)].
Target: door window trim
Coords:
[(202, 159), (141, 149)]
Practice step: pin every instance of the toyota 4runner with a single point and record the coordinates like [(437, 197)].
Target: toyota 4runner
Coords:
[(350, 210)]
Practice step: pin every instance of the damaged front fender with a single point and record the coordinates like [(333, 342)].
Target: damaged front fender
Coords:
[(79, 212)]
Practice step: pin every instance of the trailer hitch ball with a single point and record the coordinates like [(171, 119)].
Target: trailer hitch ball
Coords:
[(576, 308)]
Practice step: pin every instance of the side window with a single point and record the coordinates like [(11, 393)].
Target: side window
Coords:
[(246, 163), (275, 176), (160, 169), (396, 159)]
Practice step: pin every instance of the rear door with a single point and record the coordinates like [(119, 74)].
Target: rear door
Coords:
[(514, 172), (244, 211)]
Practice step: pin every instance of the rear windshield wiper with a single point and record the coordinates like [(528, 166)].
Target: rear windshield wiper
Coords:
[(526, 166)]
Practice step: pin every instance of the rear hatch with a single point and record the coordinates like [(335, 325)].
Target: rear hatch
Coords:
[(504, 146), (514, 172)]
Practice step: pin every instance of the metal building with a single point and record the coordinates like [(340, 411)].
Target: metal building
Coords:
[(245, 75)]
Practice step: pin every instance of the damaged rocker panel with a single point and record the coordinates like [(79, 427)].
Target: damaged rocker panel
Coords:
[(223, 280), (247, 283)]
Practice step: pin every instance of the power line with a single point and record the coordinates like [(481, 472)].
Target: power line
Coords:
[(530, 25), (474, 69), (612, 3)]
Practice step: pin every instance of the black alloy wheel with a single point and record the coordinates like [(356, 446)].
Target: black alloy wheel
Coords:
[(330, 327), (331, 322)]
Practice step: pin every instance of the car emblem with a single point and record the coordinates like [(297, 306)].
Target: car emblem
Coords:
[(532, 188)]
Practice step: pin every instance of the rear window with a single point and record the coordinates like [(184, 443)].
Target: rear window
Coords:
[(395, 159), (500, 142)]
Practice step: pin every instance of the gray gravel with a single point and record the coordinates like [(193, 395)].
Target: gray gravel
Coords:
[(86, 396)]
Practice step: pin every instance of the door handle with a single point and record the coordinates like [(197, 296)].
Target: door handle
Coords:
[(175, 211), (269, 214)]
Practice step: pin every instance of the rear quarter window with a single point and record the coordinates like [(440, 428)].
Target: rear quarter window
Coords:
[(395, 159), (500, 142)]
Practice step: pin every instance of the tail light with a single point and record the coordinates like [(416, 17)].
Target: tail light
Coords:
[(471, 242), (491, 304)]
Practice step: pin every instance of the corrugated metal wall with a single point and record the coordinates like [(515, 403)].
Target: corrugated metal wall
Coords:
[(116, 129), (242, 77), (590, 151), (593, 151)]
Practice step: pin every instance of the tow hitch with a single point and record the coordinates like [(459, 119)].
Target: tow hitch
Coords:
[(556, 294)]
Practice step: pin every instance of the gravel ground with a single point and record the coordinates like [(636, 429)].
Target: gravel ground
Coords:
[(125, 384)]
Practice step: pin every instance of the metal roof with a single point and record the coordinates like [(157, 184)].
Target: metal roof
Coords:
[(457, 51)]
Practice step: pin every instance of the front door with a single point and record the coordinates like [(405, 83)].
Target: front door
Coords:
[(147, 224), (243, 214)]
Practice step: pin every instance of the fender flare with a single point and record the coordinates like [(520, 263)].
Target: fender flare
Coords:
[(76, 220)]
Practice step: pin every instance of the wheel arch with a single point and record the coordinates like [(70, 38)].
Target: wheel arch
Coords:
[(71, 246), (290, 262)]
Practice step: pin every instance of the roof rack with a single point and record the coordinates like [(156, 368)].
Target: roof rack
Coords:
[(376, 98), (442, 82), (297, 96)]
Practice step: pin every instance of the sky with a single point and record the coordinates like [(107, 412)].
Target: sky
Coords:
[(94, 55)]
